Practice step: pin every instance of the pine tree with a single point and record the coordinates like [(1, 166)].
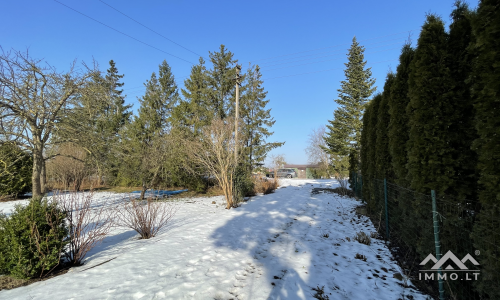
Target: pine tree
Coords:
[(485, 94), (383, 159), (430, 158), (398, 131), (256, 120), (345, 129), (118, 114)]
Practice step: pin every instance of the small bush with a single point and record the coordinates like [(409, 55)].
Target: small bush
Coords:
[(363, 238), (320, 293), (360, 256), (266, 186), (32, 239), (146, 217), (243, 183), (373, 235)]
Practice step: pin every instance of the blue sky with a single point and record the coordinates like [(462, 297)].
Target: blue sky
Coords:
[(285, 38)]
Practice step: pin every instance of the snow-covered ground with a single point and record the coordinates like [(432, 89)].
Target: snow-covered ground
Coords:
[(276, 246)]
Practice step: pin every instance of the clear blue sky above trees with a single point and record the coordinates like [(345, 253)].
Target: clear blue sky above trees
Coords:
[(261, 32)]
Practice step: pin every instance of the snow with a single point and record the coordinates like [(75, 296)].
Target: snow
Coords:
[(271, 247)]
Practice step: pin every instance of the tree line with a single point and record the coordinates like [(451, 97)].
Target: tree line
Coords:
[(436, 125), (80, 116)]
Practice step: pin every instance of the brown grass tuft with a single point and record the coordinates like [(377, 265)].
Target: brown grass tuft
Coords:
[(266, 186)]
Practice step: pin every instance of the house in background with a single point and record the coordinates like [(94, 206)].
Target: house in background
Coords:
[(303, 171)]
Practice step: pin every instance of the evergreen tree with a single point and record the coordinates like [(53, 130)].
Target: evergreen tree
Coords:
[(485, 94), (221, 84), (145, 144), (345, 129), (398, 131), (371, 154), (256, 120), (383, 159), (15, 170), (117, 113), (430, 158), (192, 111)]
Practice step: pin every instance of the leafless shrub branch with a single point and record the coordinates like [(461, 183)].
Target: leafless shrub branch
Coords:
[(88, 223), (146, 217)]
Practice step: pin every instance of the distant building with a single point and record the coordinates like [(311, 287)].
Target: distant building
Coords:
[(303, 171)]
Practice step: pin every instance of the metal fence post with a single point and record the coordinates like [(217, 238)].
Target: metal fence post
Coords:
[(437, 243), (386, 210)]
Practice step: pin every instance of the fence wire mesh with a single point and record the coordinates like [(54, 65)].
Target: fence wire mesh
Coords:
[(405, 220)]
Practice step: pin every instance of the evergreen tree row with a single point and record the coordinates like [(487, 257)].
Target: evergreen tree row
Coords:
[(436, 126)]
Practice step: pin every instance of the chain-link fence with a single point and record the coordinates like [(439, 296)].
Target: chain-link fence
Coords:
[(417, 225)]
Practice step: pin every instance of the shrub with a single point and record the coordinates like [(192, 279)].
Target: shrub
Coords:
[(360, 256), (265, 186), (32, 239), (363, 238), (146, 217), (243, 183), (15, 170), (88, 223)]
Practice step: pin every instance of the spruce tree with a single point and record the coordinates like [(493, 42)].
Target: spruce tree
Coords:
[(383, 159), (221, 83), (430, 158), (256, 120), (485, 94), (146, 135), (118, 114), (398, 131), (192, 111), (345, 129)]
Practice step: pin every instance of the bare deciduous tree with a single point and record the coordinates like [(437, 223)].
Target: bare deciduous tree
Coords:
[(214, 150), (33, 96), (316, 149), (277, 161), (89, 223), (68, 168)]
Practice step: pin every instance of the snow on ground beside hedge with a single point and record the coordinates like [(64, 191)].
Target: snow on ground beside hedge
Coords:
[(272, 247)]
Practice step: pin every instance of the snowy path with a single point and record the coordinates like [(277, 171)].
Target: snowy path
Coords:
[(276, 246)]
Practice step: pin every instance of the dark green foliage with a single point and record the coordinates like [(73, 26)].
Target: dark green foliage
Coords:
[(256, 120), (383, 161), (398, 131), (345, 128), (485, 94), (431, 112), (365, 146), (371, 171), (243, 184), (461, 132), (32, 239), (15, 170)]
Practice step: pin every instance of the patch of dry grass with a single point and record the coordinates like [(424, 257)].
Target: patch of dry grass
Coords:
[(266, 186)]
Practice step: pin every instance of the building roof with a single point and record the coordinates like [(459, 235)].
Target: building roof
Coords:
[(301, 166)]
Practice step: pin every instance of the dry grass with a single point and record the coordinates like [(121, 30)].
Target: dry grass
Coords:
[(362, 238), (360, 256), (266, 186), (8, 282)]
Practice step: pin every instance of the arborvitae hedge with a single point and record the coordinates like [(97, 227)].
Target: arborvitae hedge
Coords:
[(430, 111), (371, 172), (383, 157), (486, 96), (398, 130)]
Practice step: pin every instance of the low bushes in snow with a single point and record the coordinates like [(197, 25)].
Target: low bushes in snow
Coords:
[(146, 217), (360, 256), (363, 238)]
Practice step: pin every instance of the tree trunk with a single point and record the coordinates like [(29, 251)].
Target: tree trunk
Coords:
[(37, 172), (43, 178), (143, 191)]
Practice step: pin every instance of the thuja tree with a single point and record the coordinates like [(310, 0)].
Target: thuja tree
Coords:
[(398, 130), (430, 111), (371, 155), (485, 94), (382, 154), (345, 129)]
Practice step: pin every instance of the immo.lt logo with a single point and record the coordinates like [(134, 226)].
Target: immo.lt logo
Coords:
[(449, 267)]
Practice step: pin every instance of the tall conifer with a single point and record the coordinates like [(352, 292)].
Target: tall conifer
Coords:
[(398, 131), (383, 156), (430, 158), (345, 128), (485, 93)]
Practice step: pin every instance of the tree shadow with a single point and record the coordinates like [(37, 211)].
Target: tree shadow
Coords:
[(270, 228)]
